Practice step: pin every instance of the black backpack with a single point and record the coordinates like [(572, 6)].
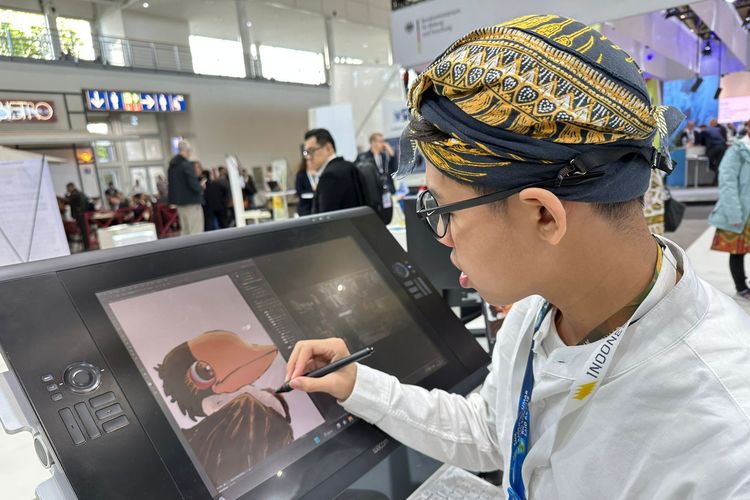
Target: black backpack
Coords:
[(372, 184)]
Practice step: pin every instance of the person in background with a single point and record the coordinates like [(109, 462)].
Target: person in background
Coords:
[(185, 190), (335, 180), (731, 133), (722, 128), (209, 222), (216, 195), (731, 215), (305, 192), (744, 129), (249, 191), (619, 372), (109, 194), (688, 137), (382, 155), (141, 207), (162, 189), (79, 204), (714, 138), (111, 189), (138, 188), (118, 201), (229, 201)]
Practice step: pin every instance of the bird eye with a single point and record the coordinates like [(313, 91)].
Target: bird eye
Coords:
[(202, 375)]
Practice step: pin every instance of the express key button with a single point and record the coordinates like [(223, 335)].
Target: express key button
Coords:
[(109, 411)]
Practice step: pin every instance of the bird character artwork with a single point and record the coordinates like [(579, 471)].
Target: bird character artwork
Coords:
[(210, 379)]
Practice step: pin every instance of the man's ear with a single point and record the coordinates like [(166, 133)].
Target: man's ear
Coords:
[(547, 212)]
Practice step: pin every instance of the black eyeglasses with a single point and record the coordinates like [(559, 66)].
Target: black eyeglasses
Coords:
[(438, 217), (307, 153)]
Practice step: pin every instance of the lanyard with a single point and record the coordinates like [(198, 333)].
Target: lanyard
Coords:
[(595, 370), (520, 446)]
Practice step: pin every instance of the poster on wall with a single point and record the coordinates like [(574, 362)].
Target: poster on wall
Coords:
[(734, 100), (31, 227)]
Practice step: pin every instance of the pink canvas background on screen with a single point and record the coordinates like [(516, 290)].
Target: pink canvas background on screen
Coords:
[(157, 322)]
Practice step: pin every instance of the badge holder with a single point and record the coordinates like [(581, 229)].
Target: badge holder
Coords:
[(17, 415)]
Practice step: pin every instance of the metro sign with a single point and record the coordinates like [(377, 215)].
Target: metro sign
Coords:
[(19, 110), (129, 101)]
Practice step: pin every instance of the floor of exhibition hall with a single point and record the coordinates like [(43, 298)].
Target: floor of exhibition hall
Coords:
[(20, 470)]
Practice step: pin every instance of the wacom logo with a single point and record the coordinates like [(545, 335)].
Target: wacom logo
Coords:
[(379, 447)]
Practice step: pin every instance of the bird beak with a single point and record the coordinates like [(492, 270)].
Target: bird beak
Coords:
[(235, 362), (257, 360)]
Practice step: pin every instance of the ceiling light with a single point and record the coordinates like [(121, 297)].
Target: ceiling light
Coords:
[(146, 5), (249, 24)]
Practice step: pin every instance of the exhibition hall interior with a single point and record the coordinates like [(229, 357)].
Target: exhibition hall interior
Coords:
[(209, 199)]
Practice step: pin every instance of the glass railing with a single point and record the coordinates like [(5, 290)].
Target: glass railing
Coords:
[(51, 45)]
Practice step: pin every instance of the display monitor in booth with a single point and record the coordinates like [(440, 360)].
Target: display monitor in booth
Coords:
[(152, 371)]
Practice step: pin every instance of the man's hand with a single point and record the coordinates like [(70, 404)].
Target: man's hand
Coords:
[(310, 355), (389, 149)]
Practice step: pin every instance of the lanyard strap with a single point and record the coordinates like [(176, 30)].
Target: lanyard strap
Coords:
[(586, 384), (516, 491)]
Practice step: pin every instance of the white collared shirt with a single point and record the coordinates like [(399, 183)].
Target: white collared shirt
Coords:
[(319, 173), (671, 419)]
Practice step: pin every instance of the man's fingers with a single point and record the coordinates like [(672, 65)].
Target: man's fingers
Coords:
[(320, 352), (305, 353), (292, 360), (308, 384)]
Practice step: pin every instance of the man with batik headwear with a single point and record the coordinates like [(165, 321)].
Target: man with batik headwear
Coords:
[(618, 372)]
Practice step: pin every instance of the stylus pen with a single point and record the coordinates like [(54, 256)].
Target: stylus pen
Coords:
[(322, 372)]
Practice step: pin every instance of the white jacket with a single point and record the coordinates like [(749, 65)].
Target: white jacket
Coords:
[(671, 420)]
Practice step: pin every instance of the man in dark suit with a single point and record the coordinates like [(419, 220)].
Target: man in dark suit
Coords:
[(382, 156), (336, 181), (715, 141)]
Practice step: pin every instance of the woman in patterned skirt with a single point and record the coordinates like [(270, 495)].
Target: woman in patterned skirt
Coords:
[(731, 216)]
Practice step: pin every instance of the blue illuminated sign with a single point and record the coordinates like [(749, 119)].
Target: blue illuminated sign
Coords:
[(134, 101)]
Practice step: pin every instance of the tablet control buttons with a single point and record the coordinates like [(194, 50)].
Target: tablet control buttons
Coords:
[(115, 424), (103, 400), (400, 270), (82, 377), (109, 411), (66, 414)]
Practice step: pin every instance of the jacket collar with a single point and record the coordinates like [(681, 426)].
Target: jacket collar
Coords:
[(666, 324)]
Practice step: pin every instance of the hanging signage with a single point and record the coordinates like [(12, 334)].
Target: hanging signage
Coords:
[(129, 101), (24, 111)]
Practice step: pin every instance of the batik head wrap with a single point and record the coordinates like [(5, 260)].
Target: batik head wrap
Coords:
[(541, 98)]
